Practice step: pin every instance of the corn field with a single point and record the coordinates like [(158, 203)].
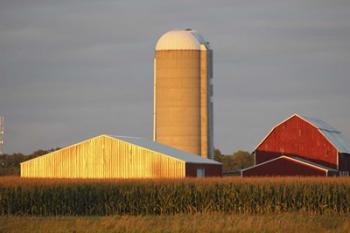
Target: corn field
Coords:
[(47, 197)]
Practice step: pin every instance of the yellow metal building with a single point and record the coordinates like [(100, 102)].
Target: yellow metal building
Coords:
[(183, 107), (108, 156)]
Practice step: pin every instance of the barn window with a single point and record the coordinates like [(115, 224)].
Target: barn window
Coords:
[(200, 172)]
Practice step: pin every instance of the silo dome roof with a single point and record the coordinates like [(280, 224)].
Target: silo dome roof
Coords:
[(180, 40)]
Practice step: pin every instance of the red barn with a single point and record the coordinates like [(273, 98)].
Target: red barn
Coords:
[(301, 146)]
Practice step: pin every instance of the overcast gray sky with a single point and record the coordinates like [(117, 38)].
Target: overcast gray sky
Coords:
[(70, 70)]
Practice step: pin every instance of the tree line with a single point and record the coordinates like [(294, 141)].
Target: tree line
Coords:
[(232, 164), (10, 163)]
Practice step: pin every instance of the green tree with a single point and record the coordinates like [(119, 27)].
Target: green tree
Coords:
[(243, 159), (10, 163), (218, 156), (235, 162)]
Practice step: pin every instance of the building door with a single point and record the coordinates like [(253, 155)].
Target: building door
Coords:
[(200, 172)]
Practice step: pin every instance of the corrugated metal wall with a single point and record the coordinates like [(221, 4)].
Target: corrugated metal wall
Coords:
[(177, 99), (103, 157), (183, 107)]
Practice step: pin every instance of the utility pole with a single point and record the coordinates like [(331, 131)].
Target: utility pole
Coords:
[(2, 127)]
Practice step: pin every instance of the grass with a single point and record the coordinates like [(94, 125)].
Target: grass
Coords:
[(215, 222)]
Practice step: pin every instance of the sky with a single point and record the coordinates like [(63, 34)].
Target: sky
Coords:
[(71, 70)]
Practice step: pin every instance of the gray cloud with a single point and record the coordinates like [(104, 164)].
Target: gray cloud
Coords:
[(73, 69)]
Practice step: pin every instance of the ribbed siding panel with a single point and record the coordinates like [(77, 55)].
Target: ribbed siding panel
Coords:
[(103, 157)]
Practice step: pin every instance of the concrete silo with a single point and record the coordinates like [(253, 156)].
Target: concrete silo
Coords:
[(183, 107)]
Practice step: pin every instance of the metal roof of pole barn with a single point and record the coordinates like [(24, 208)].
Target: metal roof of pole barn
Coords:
[(157, 147)]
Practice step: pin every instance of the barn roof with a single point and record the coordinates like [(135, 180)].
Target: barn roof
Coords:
[(312, 163), (172, 152), (295, 159), (333, 135)]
